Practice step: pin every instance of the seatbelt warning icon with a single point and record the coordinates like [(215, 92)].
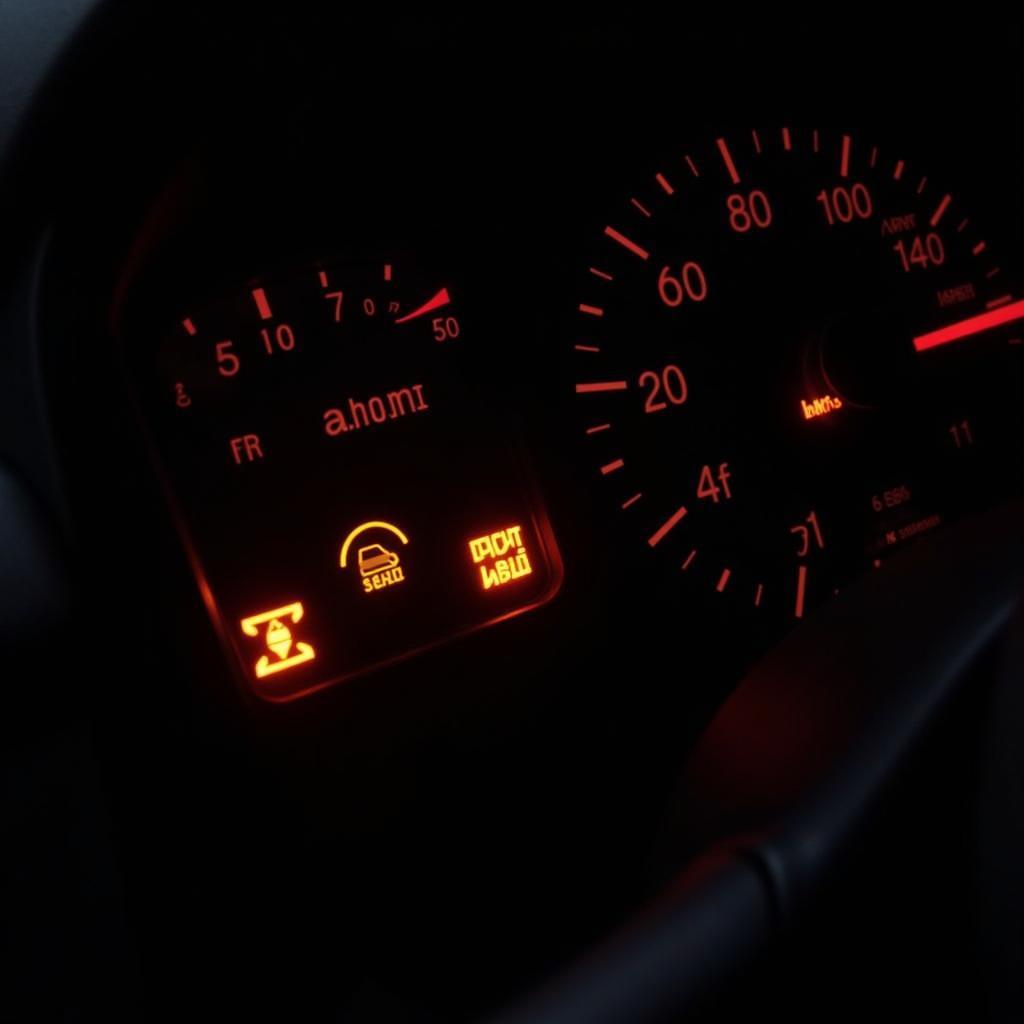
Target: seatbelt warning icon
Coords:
[(285, 651)]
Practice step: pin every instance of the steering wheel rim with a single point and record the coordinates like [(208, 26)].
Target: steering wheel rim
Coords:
[(869, 683)]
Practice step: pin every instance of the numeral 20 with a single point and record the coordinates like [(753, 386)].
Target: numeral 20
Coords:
[(671, 381)]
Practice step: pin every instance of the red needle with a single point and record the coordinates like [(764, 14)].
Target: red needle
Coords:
[(972, 325), (442, 298)]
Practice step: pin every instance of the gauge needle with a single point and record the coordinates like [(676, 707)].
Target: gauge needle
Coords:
[(442, 298), (972, 325)]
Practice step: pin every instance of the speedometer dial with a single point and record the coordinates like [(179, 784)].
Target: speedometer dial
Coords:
[(796, 351)]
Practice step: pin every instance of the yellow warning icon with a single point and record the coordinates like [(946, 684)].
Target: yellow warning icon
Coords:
[(379, 567), (280, 641)]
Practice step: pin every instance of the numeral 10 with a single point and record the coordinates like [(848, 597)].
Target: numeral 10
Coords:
[(283, 338)]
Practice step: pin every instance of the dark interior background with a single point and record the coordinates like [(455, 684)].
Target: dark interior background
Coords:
[(426, 842)]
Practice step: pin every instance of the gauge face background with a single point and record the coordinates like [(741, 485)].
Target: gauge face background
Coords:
[(795, 352)]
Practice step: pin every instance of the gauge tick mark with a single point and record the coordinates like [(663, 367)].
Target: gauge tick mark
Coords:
[(940, 210), (626, 243), (259, 296), (670, 524), (723, 148), (597, 386)]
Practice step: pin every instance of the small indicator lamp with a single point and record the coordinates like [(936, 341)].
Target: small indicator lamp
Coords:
[(501, 557), (284, 650), (379, 567), (818, 407)]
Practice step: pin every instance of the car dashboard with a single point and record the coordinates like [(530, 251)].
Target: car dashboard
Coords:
[(437, 418)]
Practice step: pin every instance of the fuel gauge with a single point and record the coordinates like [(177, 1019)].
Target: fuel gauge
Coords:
[(348, 493)]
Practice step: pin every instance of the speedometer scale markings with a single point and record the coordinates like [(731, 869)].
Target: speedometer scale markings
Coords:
[(774, 342)]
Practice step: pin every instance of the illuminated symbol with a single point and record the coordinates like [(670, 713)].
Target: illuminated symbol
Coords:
[(246, 448), (181, 398), (379, 567), (820, 406), (375, 558), (285, 651), (501, 557)]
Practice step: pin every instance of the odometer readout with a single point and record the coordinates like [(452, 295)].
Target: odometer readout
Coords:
[(795, 351), (347, 495)]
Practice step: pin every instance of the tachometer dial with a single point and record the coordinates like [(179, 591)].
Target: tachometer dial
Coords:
[(795, 352), (346, 492)]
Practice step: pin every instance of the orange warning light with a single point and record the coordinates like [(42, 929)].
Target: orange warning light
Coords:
[(820, 406), (501, 557), (279, 639), (379, 567)]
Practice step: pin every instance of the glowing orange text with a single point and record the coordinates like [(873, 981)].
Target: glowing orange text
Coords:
[(501, 557), (820, 406)]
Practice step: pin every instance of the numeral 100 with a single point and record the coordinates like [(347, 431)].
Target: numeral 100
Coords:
[(842, 205)]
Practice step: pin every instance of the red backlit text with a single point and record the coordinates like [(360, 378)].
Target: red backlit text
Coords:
[(959, 293), (246, 448), (393, 405), (897, 225)]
